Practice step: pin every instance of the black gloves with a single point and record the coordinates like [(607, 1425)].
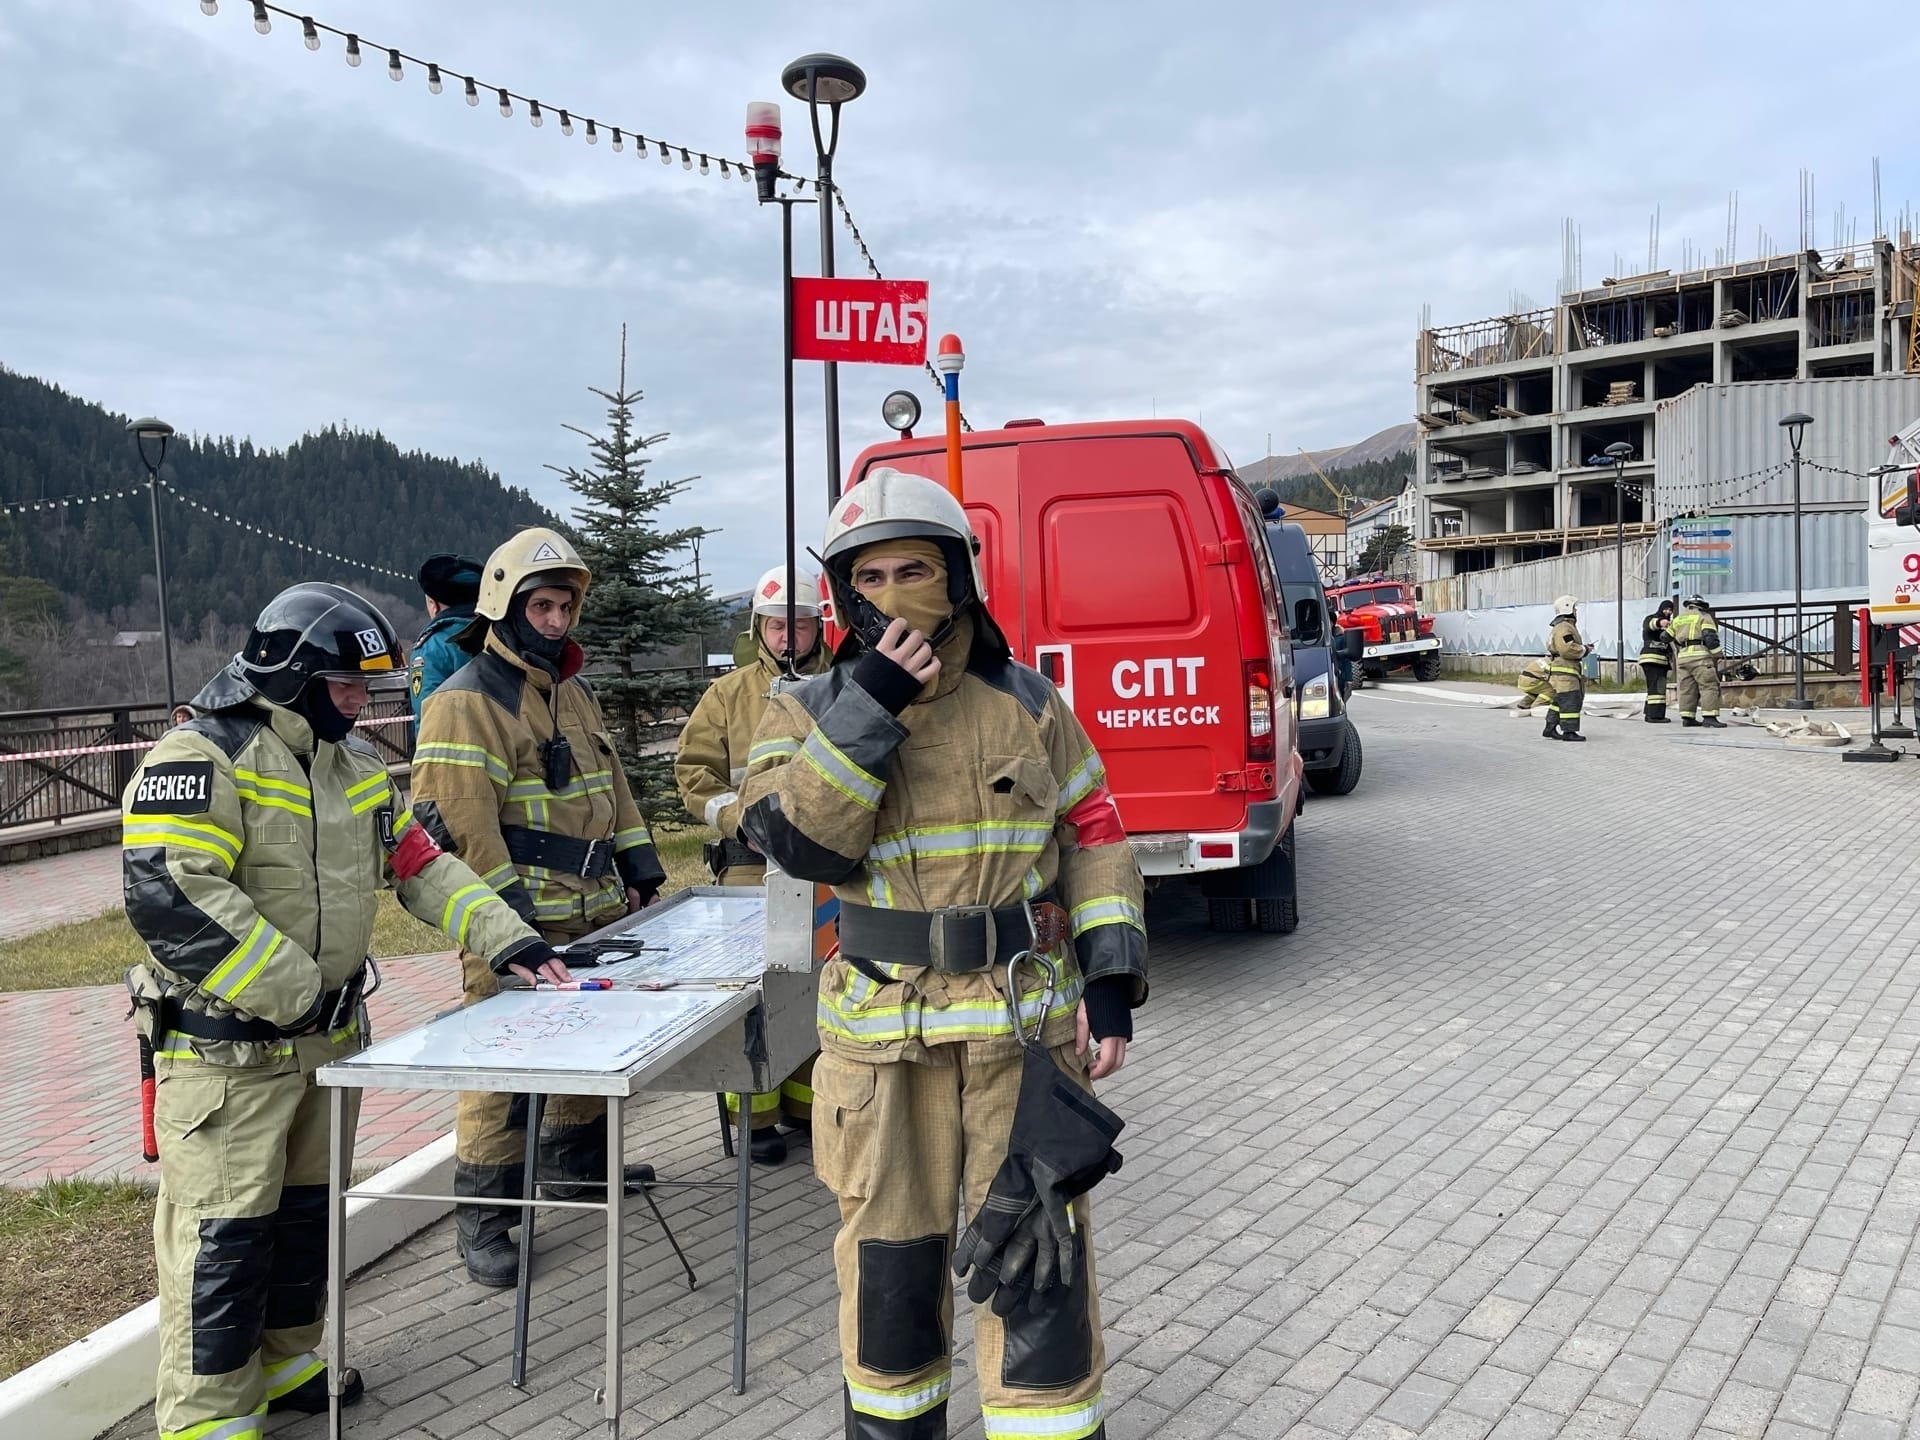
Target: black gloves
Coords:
[(1109, 1013), (1021, 1244), (887, 682), (531, 953)]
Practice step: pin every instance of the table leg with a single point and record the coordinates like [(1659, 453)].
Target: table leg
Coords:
[(523, 1286), (337, 1182), (616, 1205), (743, 1160)]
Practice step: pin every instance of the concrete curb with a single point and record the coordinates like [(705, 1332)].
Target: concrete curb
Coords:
[(100, 1379)]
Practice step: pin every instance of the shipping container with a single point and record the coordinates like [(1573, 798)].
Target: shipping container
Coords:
[(1721, 448)]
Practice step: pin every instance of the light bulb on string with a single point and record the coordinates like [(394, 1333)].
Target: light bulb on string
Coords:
[(617, 143), (640, 146), (566, 123), (666, 155), (506, 103), (309, 34), (686, 160), (533, 113), (433, 78), (394, 71), (353, 50), (209, 7), (703, 166), (725, 174), (473, 92), (261, 22), (593, 135)]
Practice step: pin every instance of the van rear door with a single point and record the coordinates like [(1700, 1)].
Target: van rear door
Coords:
[(1128, 608)]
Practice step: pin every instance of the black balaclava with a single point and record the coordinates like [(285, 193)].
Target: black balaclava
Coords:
[(315, 705), (526, 641)]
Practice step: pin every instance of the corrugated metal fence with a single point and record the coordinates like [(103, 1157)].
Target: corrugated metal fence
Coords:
[(1588, 575)]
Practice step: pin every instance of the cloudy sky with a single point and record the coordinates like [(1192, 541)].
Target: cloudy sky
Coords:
[(1228, 211)]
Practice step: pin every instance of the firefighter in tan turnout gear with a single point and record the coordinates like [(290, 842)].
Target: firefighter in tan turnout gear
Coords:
[(1565, 651), (709, 769), (256, 836), (1697, 669), (957, 807), (516, 766)]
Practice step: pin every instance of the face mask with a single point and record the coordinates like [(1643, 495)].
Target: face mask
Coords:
[(924, 606), (529, 644), (315, 706)]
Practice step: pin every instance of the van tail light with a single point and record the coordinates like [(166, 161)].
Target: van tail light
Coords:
[(1259, 710)]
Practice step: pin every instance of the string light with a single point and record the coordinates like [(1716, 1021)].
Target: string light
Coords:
[(62, 502), (533, 113), (309, 36), (873, 269), (593, 135), (506, 104), (394, 72), (566, 123), (616, 140), (473, 91), (353, 51), (433, 79), (260, 20), (267, 534), (209, 7)]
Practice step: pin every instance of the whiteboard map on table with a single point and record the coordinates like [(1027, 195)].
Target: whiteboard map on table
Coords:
[(548, 1031), (704, 938)]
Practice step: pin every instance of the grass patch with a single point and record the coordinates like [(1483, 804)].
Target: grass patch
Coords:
[(98, 951), (74, 1254)]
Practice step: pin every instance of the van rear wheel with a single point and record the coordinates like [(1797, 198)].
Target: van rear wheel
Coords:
[(1227, 914), (1426, 666), (1280, 915)]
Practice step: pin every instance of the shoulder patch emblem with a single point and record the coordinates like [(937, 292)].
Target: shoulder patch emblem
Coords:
[(179, 787)]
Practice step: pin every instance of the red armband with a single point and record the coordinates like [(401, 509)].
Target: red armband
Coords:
[(413, 852), (1098, 820)]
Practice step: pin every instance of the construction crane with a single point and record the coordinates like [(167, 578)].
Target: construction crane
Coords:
[(1344, 497)]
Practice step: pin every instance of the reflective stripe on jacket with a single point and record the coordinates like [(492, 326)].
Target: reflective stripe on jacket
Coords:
[(253, 860), (1695, 632), (712, 760), (986, 792), (1656, 642), (479, 762)]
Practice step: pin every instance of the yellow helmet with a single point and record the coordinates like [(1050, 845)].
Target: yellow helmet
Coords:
[(533, 558)]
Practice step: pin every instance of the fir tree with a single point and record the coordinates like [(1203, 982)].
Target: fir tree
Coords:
[(641, 602)]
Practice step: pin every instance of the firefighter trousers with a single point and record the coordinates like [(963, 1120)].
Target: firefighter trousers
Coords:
[(490, 1128), (1656, 675), (793, 1101), (240, 1242), (1569, 695), (1697, 686), (898, 1143)]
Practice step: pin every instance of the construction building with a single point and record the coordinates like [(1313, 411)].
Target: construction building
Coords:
[(1516, 413)]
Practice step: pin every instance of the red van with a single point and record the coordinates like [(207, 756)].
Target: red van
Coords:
[(1126, 562)]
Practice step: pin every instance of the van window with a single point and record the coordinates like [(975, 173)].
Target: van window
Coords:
[(1117, 562)]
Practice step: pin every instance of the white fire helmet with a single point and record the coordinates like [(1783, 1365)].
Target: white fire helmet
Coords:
[(770, 594), (1565, 605), (893, 505)]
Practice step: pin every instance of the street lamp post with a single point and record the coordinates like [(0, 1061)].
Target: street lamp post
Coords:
[(832, 80), (145, 430), (1796, 427), (1617, 455), (763, 146)]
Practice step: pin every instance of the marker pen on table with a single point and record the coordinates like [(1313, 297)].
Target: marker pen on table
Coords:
[(575, 985)]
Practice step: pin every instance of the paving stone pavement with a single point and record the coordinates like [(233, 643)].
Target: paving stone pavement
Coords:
[(1579, 1105), (77, 885), (87, 1122)]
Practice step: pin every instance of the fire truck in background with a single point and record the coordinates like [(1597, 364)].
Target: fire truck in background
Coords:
[(1386, 614)]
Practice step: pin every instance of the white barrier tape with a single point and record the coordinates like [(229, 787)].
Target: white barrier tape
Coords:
[(73, 750)]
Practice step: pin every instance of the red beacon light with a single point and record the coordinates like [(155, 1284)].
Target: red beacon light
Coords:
[(763, 144)]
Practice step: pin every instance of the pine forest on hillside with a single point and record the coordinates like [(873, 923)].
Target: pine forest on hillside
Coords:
[(351, 493)]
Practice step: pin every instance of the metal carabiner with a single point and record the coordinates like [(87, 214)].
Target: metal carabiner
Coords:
[(1052, 973)]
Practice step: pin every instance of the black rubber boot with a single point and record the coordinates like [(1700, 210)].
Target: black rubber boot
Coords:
[(1656, 712), (574, 1161), (310, 1397), (1689, 722), (1553, 727), (768, 1147), (481, 1231), (1570, 734), (1714, 722)]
